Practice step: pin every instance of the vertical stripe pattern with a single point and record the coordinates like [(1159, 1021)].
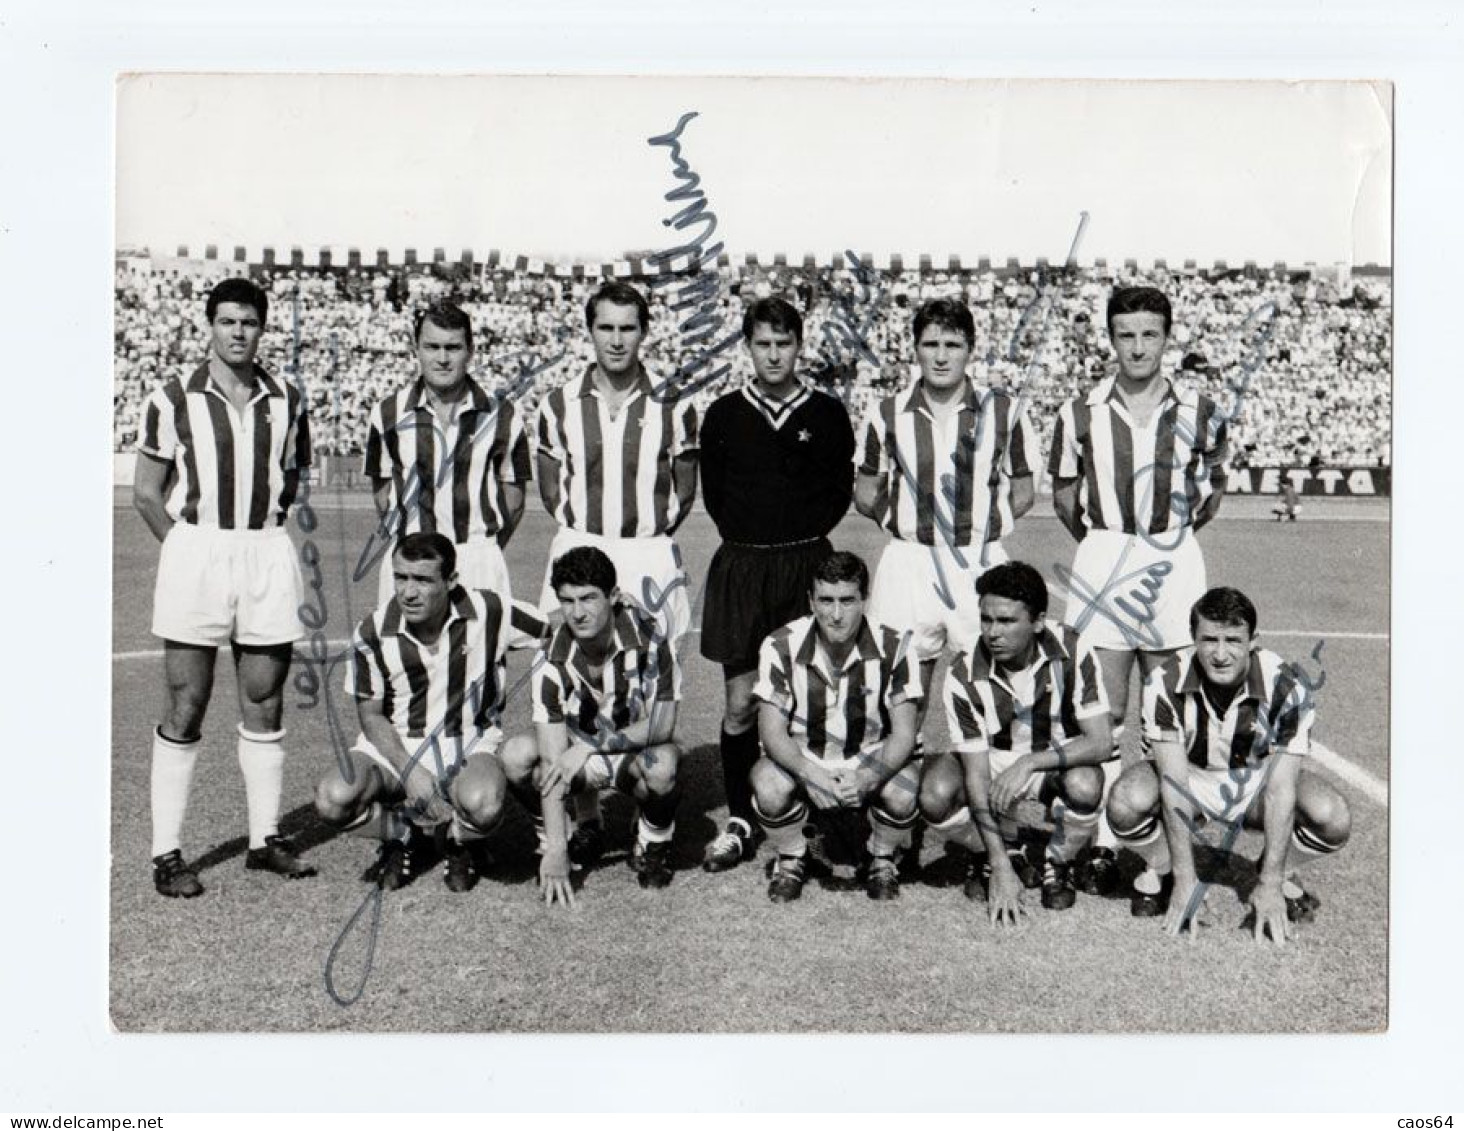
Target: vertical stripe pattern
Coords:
[(231, 466), (615, 472), (1140, 480), (948, 484), (447, 478), (640, 671), (986, 710), (836, 714), (451, 690), (1274, 710)]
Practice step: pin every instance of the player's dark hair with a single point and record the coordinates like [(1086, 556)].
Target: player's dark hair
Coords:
[(1015, 581), (948, 314), (241, 291), (1222, 605), (778, 313), (444, 315), (584, 565), (1139, 300), (841, 566), (619, 294), (428, 546)]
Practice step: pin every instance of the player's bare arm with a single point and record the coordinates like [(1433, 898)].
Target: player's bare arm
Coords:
[(1004, 905), (1278, 801), (783, 752), (149, 489), (1177, 811), (1211, 506), (1065, 503), (381, 496), (513, 511), (1024, 494), (655, 729), (871, 495), (683, 478), (1092, 748), (554, 745), (894, 753), (548, 472)]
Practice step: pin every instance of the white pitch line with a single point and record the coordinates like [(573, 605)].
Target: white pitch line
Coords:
[(1264, 631), (156, 653), (1374, 787)]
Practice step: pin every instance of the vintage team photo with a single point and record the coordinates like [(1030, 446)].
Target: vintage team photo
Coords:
[(749, 556)]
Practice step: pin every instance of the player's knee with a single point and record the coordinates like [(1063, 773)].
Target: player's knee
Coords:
[(942, 792), (741, 708), (519, 756), (658, 765), (1133, 799), (900, 796), (479, 801), (1326, 811), (771, 786), (338, 801), (1082, 788)]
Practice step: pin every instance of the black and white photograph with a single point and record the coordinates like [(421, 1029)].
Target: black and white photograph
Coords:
[(632, 558), (651, 557)]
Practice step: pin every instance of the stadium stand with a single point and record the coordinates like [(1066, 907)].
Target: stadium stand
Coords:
[(1302, 357)]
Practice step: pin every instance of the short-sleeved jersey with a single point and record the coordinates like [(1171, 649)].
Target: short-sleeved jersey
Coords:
[(234, 470), (615, 472), (1044, 704), (456, 687), (640, 672), (1141, 480), (447, 480), (949, 484), (776, 472), (837, 714), (1274, 710)]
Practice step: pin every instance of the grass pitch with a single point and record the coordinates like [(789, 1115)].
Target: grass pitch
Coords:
[(710, 953)]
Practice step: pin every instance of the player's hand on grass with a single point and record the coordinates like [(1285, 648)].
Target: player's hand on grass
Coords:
[(562, 769), (1269, 906), (554, 878), (1189, 906), (1010, 784), (1004, 899)]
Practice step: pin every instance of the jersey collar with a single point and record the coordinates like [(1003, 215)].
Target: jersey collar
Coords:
[(776, 412), (459, 607), (972, 398), (865, 648), (202, 381), (476, 400), (1192, 682), (641, 386)]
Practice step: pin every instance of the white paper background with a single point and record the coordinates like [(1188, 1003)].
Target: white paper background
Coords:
[(58, 66)]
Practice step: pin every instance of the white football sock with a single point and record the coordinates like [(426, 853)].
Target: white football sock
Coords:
[(172, 774), (262, 760)]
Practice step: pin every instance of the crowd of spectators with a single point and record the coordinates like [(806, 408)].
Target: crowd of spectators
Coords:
[(1301, 363)]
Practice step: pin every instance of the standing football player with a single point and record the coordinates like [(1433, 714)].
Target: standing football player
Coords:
[(445, 456), (1138, 466), (617, 470), (776, 464), (220, 456)]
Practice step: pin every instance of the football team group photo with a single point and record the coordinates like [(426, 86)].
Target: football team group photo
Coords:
[(683, 639)]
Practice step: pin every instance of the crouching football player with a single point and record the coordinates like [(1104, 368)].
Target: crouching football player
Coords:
[(427, 672), (1029, 718), (1228, 727), (836, 716), (605, 688)]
